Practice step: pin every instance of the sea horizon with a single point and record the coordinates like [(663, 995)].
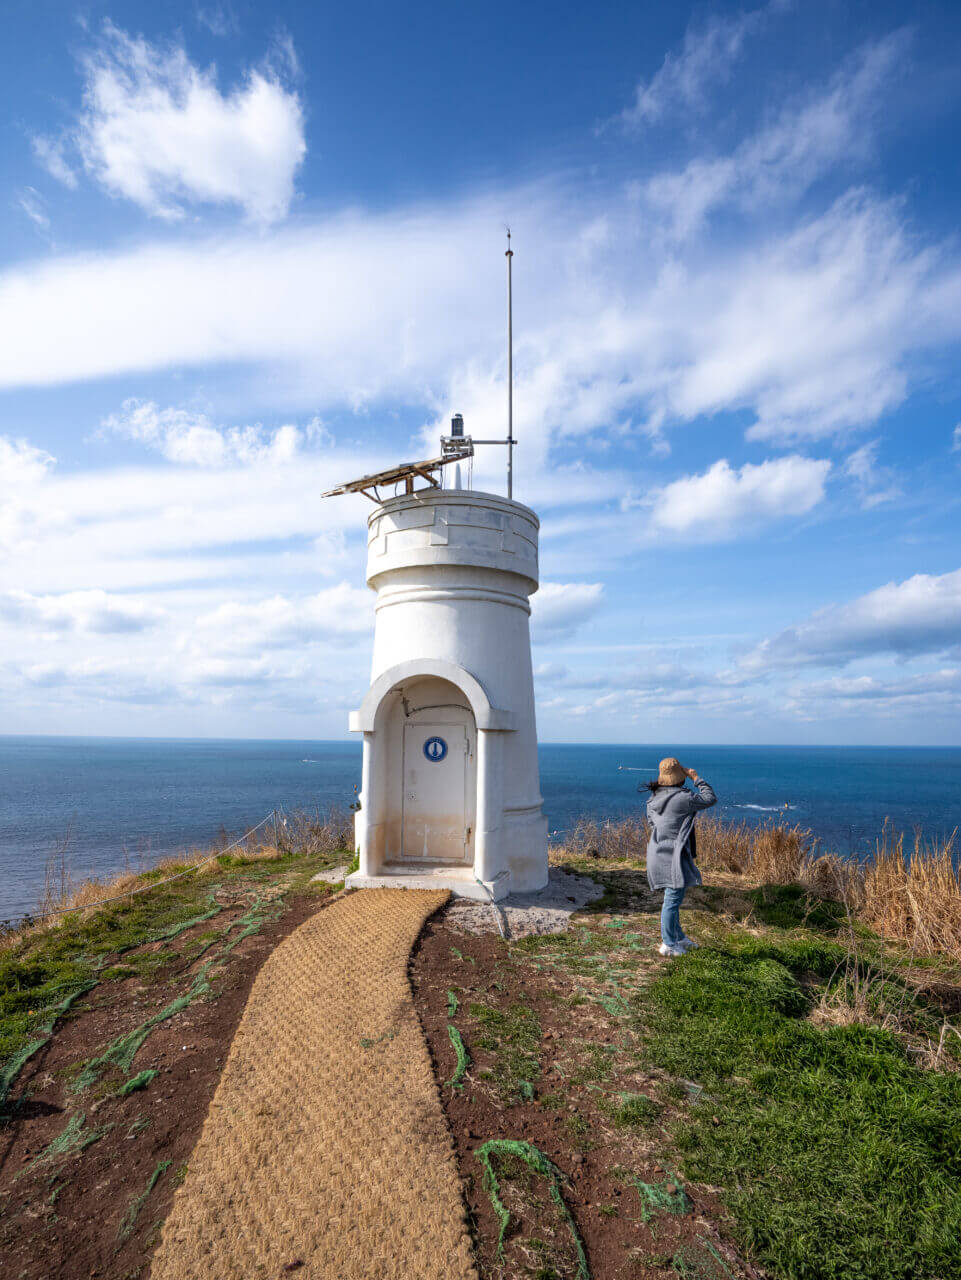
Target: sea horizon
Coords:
[(119, 801)]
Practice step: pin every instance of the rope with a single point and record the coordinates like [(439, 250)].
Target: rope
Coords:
[(155, 884), (493, 906)]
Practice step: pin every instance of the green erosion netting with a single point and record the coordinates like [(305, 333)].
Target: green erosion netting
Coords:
[(133, 1209), (536, 1160), (661, 1197), (73, 1137), (139, 1081), (463, 1058), (700, 1261)]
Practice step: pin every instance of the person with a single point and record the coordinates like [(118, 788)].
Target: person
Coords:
[(672, 848)]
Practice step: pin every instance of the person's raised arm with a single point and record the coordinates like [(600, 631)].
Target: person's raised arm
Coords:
[(704, 797)]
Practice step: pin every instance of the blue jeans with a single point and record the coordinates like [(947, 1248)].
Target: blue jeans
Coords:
[(671, 932)]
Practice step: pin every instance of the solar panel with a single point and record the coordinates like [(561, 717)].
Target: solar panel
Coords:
[(407, 472)]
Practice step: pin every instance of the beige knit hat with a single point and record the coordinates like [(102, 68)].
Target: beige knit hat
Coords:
[(670, 773)]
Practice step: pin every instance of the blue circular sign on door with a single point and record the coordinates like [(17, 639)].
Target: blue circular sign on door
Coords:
[(435, 749)]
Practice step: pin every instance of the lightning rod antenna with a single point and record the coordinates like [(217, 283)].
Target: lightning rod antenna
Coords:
[(510, 371)]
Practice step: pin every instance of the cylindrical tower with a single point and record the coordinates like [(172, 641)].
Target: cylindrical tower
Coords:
[(451, 787)]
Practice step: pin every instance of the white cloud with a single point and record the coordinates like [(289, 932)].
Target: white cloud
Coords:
[(875, 484), (280, 621), (956, 439), (22, 471), (50, 153), (724, 499), (558, 608), (156, 129), (219, 19), (810, 332), (707, 58), (783, 158), (921, 615), (31, 202), (193, 440), (931, 686), (93, 611)]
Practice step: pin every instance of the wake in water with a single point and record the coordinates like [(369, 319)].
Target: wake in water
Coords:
[(766, 808)]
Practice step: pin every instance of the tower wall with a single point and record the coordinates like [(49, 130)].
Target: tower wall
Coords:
[(453, 571)]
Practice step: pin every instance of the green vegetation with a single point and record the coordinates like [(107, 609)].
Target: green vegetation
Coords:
[(840, 1156), (42, 973), (514, 1036), (634, 1110)]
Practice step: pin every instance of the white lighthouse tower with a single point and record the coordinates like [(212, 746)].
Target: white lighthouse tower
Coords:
[(451, 789)]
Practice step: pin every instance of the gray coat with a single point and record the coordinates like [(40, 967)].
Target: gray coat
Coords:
[(672, 847)]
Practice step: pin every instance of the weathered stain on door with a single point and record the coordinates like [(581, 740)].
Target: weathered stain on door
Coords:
[(438, 768)]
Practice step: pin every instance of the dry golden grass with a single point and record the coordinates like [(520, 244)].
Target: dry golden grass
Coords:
[(907, 895), (301, 832), (914, 896)]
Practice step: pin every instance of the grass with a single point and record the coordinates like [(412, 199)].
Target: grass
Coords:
[(43, 970), (908, 893), (840, 1156), (513, 1035)]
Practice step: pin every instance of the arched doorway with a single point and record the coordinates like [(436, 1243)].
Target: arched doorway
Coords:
[(431, 775)]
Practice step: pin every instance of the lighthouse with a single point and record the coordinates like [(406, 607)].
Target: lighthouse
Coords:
[(450, 796)]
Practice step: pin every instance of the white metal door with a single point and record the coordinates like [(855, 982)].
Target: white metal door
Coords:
[(435, 793)]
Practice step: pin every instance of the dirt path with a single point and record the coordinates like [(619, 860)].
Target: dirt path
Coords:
[(325, 1152)]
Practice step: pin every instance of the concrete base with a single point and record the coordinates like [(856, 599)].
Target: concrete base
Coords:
[(459, 880)]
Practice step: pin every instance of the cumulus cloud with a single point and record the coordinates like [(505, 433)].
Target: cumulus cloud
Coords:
[(157, 130), (23, 468), (559, 608), (94, 611), (192, 439), (921, 615), (707, 57), (723, 499)]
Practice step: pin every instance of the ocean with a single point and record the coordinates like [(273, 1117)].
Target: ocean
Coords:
[(124, 801)]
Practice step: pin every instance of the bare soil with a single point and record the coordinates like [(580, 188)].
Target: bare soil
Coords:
[(91, 1212), (586, 1066)]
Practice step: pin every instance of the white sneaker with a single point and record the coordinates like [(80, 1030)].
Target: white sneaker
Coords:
[(665, 950)]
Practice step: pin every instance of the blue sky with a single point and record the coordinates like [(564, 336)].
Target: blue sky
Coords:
[(247, 252)]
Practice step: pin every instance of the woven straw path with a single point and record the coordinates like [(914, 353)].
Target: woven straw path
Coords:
[(325, 1143)]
